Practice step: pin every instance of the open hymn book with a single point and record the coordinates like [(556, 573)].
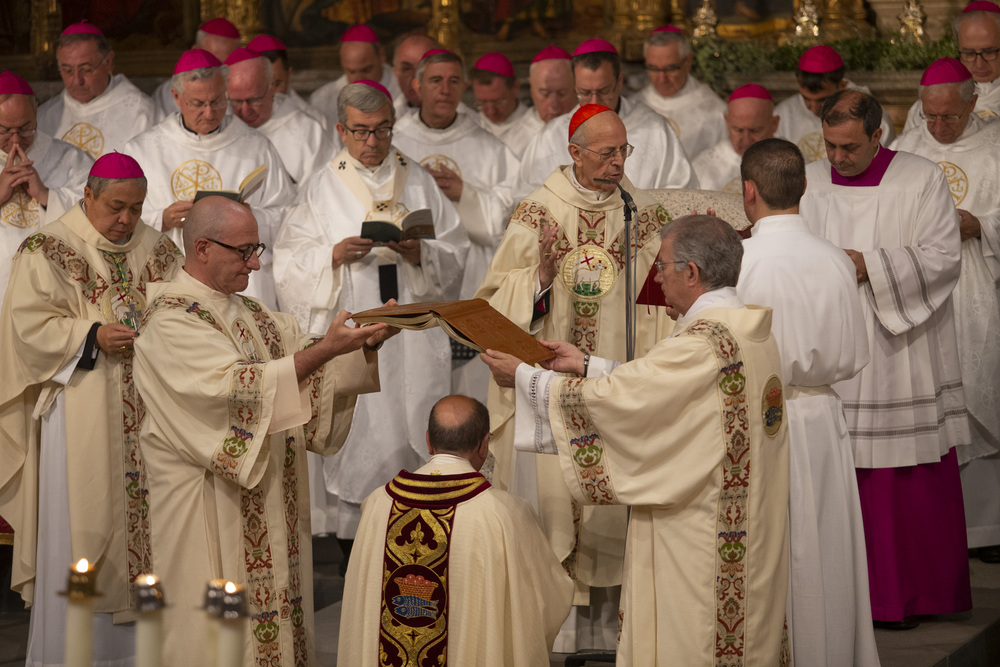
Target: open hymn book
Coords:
[(418, 224), (473, 322), (248, 186)]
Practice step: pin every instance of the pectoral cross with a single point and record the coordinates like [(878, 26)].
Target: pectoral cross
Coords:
[(132, 314)]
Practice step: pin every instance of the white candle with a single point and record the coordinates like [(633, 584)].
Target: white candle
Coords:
[(214, 592), (149, 624), (232, 626), (80, 615)]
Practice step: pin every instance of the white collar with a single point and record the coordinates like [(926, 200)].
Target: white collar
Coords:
[(590, 195), (724, 297)]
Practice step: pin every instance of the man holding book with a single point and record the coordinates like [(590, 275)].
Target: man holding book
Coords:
[(323, 265)]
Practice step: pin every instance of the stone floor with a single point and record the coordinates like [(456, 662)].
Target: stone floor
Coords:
[(959, 640)]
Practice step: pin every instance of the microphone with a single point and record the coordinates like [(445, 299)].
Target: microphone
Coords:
[(631, 238), (630, 208)]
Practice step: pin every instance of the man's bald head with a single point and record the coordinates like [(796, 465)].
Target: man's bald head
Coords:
[(361, 60), (207, 220), (458, 425), (251, 91), (218, 233), (552, 91), (749, 120)]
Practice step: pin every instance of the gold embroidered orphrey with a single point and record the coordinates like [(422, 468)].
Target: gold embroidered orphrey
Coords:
[(812, 146), (123, 305), (588, 272), (436, 161), (21, 210), (958, 181), (192, 176), (772, 406), (86, 137)]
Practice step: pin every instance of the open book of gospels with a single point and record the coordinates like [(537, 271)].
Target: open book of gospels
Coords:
[(473, 322), (248, 186), (418, 224)]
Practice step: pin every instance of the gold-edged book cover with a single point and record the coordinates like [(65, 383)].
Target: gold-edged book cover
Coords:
[(473, 322)]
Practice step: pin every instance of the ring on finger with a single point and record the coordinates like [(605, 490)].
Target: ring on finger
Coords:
[(357, 253)]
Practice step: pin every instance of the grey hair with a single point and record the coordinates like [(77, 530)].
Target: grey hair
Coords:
[(966, 89), (178, 81), (364, 98), (103, 46), (98, 185), (711, 244), (439, 58), (666, 39), (34, 99), (957, 21)]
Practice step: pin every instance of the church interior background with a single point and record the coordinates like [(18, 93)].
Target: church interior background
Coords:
[(885, 43)]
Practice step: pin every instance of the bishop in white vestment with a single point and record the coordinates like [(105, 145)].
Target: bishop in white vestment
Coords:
[(448, 567), (44, 189), (501, 112), (322, 266), (968, 150), (819, 326), (894, 215)]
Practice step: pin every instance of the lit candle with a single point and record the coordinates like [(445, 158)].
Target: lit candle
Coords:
[(215, 590), (149, 625), (232, 626), (80, 595)]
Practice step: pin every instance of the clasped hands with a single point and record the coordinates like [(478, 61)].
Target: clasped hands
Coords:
[(19, 171)]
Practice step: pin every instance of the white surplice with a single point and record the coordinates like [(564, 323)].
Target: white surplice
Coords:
[(804, 128), (972, 167), (63, 169), (694, 112), (706, 569), (505, 593), (718, 168), (324, 98), (163, 99), (304, 145), (987, 105), (819, 326), (103, 124), (907, 229), (389, 427), (659, 160), (518, 130), (178, 163)]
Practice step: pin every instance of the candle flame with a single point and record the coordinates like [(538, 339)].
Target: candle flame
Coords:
[(150, 579), (82, 565), (230, 587)]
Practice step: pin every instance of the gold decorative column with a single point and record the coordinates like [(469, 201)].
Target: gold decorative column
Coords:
[(445, 24), (46, 25), (246, 15), (621, 23)]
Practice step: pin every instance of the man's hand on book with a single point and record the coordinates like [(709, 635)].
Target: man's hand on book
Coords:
[(568, 359), (409, 250), (374, 342), (502, 365), (350, 250)]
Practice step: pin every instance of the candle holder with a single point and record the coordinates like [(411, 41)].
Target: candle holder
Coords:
[(215, 590), (148, 593), (82, 582), (80, 593)]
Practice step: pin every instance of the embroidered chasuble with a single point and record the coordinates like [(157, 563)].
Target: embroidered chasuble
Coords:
[(695, 113), (820, 330), (718, 168), (178, 163), (900, 214), (103, 124), (449, 571), (65, 278), (416, 368), (659, 160), (63, 169), (487, 169), (691, 437), (518, 130), (804, 128), (987, 106), (303, 143), (586, 306), (226, 430)]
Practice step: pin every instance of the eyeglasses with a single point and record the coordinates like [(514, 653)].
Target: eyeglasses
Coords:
[(216, 104), (362, 133), (85, 69), (603, 92), (664, 70), (22, 131), (969, 56), (250, 101), (948, 119), (608, 155), (660, 264), (246, 252)]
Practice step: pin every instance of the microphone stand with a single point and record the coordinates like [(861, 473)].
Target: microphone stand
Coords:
[(631, 237)]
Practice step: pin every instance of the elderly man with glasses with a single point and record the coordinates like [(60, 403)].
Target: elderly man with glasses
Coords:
[(235, 395), (660, 160), (201, 149), (97, 111), (968, 149), (301, 140), (41, 177), (323, 264), (559, 274)]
